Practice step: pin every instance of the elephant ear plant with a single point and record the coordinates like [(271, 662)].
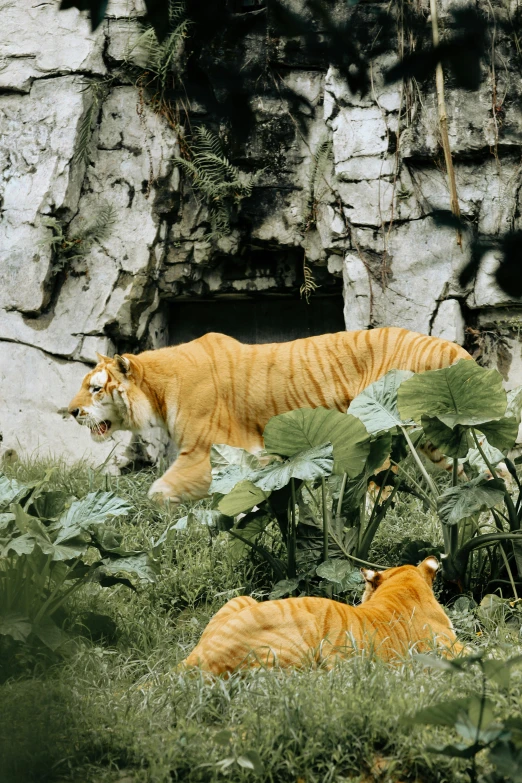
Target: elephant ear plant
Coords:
[(314, 474), (465, 412), (51, 545)]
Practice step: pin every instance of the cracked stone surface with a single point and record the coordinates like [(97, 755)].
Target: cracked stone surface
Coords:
[(365, 219)]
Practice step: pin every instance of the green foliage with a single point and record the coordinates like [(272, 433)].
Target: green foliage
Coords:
[(68, 246), (221, 184), (46, 543), (376, 406), (118, 709), (161, 56), (473, 718), (305, 428), (464, 393), (459, 502), (317, 186), (97, 92), (321, 509)]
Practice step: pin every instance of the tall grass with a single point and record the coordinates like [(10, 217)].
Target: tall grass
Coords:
[(116, 711)]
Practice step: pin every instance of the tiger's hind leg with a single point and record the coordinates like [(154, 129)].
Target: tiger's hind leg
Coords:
[(232, 606)]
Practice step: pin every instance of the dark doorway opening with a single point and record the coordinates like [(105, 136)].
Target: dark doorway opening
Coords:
[(263, 319)]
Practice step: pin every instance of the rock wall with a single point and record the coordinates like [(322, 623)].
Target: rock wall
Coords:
[(79, 140)]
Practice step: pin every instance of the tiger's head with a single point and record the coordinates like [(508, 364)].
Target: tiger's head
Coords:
[(375, 579), (111, 398)]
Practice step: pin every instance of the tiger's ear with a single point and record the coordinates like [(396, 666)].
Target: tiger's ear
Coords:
[(123, 364), (429, 568), (371, 577), (372, 580), (101, 358)]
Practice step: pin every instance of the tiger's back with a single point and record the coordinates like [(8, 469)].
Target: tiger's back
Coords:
[(400, 611)]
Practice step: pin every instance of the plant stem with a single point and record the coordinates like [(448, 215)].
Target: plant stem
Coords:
[(381, 489), (262, 551), (461, 557), (373, 524), (514, 523), (455, 473), (509, 573), (421, 467), (341, 495), (423, 494), (325, 519), (292, 533)]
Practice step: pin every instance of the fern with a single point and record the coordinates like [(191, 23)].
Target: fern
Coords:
[(309, 285), (98, 92), (221, 184), (321, 159), (160, 56), (68, 247)]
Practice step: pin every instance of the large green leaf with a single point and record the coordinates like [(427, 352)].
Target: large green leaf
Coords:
[(506, 758), (230, 465), (222, 455), (335, 571), (474, 457), (243, 497), (109, 540), (49, 505), (15, 625), (141, 566), (10, 491), (223, 481), (73, 546), (501, 433), (306, 465), (376, 406), (93, 509), (380, 449), (444, 713), (452, 442), (49, 633), (514, 403), (461, 394), (295, 431), (500, 670), (461, 501), (20, 545), (283, 587), (250, 532)]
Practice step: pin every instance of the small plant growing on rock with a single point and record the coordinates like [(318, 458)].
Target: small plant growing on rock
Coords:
[(70, 245), (221, 184)]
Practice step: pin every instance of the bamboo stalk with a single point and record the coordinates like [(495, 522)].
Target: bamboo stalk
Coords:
[(443, 120)]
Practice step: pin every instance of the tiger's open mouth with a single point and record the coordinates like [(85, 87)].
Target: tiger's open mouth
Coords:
[(100, 429)]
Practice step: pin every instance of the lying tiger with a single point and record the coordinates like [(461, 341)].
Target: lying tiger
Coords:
[(398, 612), (218, 390)]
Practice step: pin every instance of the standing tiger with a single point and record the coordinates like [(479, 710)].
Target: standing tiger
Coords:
[(398, 612), (218, 390)]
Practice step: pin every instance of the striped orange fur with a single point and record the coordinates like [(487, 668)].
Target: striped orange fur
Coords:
[(218, 390), (399, 612)]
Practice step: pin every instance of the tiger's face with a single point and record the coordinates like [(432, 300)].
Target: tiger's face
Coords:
[(103, 402)]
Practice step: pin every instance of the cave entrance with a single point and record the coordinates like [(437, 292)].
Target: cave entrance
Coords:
[(271, 318)]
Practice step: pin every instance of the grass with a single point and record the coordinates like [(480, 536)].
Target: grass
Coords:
[(115, 710)]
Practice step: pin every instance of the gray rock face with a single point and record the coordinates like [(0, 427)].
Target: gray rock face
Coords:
[(347, 182)]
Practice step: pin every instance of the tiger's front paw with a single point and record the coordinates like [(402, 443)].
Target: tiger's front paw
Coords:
[(162, 492)]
